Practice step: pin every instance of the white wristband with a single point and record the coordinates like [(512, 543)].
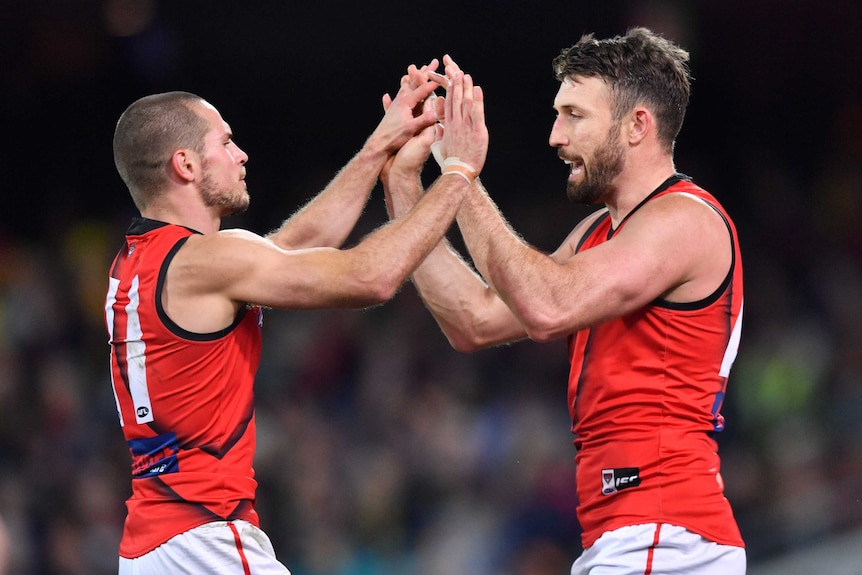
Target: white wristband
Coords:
[(452, 164), (455, 161), (456, 166), (457, 172)]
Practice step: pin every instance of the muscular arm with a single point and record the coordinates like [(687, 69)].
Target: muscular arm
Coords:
[(235, 266), (214, 274), (329, 217), (674, 247), (468, 311)]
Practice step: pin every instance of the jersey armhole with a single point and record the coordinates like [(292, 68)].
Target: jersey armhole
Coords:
[(169, 323), (592, 228), (714, 296)]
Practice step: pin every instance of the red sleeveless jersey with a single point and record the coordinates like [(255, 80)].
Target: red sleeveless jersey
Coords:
[(185, 400), (644, 394)]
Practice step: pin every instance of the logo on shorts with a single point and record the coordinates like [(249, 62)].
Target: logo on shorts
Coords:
[(614, 480)]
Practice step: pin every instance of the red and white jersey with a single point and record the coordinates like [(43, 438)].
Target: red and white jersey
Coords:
[(644, 394), (185, 400)]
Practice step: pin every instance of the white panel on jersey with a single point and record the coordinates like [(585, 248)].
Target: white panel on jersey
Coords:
[(136, 359), (113, 286), (732, 345)]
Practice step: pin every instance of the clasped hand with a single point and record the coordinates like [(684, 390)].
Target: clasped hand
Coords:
[(461, 112)]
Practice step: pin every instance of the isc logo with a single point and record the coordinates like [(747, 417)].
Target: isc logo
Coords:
[(614, 480)]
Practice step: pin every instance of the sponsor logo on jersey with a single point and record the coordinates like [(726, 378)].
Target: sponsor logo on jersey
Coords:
[(154, 455), (614, 480)]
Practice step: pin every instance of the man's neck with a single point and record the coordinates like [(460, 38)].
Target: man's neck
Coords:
[(629, 190), (199, 219)]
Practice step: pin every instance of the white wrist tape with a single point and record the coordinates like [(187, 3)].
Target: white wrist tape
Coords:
[(454, 165), (437, 152)]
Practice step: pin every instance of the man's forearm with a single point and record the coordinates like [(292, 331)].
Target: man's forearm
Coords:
[(328, 219), (500, 255)]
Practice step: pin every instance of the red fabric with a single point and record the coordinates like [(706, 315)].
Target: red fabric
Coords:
[(644, 394), (192, 462)]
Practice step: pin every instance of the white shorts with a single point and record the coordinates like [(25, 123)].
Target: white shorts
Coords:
[(658, 549), (217, 548)]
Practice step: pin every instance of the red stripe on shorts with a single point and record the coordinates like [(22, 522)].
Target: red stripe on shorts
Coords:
[(651, 550), (245, 568)]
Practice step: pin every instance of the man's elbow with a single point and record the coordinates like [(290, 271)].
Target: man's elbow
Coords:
[(378, 288), (543, 328), (470, 338), (461, 343)]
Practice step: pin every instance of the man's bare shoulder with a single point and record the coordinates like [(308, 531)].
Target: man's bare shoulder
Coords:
[(681, 212)]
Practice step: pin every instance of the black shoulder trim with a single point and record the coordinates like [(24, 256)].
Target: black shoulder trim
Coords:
[(169, 323), (142, 225), (705, 302), (591, 229), (713, 297), (662, 187)]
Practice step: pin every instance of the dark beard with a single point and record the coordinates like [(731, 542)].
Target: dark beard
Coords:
[(230, 202), (606, 165)]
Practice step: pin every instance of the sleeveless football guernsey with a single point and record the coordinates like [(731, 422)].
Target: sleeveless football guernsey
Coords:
[(644, 394), (185, 400)]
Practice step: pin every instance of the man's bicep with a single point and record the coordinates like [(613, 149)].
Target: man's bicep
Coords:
[(650, 259), (311, 278), (246, 268)]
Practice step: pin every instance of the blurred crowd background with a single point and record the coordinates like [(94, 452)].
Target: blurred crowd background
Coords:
[(381, 449)]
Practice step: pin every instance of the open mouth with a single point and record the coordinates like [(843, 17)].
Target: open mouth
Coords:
[(576, 167)]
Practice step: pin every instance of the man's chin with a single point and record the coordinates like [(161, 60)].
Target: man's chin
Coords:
[(235, 209), (582, 194)]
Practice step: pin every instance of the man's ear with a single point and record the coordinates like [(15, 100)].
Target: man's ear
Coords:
[(185, 165), (641, 123)]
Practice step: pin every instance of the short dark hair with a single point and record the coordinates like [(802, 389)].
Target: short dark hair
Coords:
[(148, 133), (641, 67)]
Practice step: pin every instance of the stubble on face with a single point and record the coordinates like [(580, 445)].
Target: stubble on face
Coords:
[(229, 200), (599, 172)]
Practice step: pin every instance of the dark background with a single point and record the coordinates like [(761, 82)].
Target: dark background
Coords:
[(382, 450)]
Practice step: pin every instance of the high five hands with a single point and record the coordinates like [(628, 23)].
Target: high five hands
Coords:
[(464, 142), (459, 138)]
